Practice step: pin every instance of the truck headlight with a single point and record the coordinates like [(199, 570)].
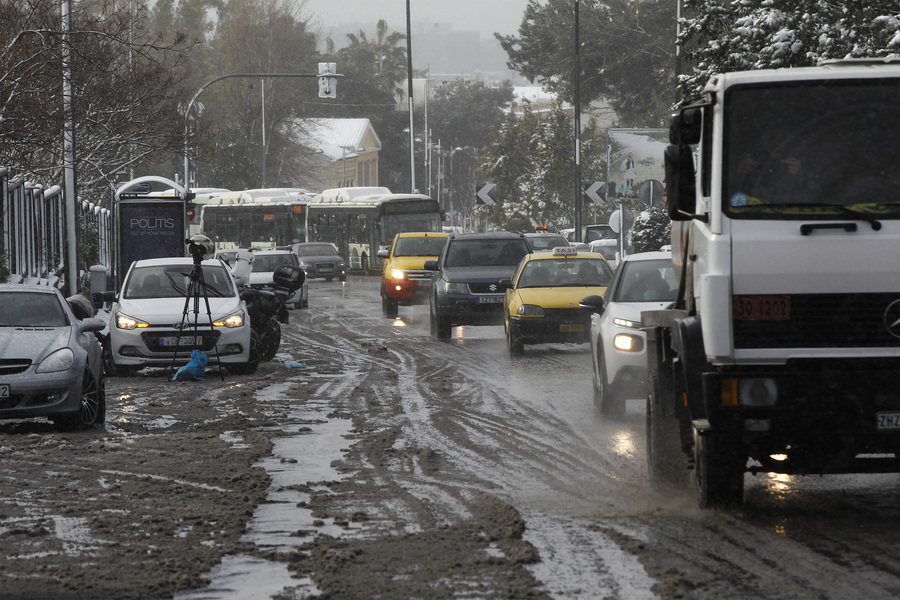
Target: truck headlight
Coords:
[(751, 391)]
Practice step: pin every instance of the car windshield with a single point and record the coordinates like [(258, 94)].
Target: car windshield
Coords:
[(647, 281), (266, 263), (419, 246), (23, 309), (316, 250), (483, 253), (172, 281), (548, 242), (565, 272)]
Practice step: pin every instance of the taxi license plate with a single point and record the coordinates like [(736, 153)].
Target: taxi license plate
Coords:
[(887, 420), (186, 340), (4, 390), (571, 328), (490, 300)]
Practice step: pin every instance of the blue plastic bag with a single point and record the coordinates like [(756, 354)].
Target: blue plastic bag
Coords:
[(193, 371)]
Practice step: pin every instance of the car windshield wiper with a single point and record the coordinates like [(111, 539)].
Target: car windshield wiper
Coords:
[(175, 286), (840, 208)]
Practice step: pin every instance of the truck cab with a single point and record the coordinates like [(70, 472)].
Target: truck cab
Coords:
[(782, 352)]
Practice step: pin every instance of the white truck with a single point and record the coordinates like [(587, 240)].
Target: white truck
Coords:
[(782, 352)]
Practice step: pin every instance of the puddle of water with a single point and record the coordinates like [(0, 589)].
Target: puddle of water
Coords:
[(279, 523)]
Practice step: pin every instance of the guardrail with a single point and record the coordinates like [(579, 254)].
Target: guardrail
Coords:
[(33, 222)]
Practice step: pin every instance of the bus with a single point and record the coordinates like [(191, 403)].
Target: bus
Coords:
[(359, 221), (252, 219)]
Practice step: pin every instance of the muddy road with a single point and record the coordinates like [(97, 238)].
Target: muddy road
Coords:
[(390, 465)]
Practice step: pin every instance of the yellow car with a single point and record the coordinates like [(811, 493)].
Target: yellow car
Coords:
[(404, 279), (542, 298)]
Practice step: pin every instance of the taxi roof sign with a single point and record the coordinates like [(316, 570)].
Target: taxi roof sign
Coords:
[(565, 251)]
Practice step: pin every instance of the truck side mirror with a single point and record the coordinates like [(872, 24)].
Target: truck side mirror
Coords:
[(681, 183), (686, 126)]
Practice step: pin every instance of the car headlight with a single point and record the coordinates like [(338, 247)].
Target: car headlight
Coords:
[(60, 360), (530, 310), (627, 342), (619, 321), (231, 321), (398, 274), (123, 321), (455, 288)]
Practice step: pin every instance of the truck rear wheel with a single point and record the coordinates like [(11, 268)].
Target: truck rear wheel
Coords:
[(718, 474), (667, 464)]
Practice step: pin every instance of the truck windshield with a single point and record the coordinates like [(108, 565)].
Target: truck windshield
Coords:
[(813, 150)]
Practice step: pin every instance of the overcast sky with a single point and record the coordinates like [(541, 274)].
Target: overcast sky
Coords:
[(486, 16)]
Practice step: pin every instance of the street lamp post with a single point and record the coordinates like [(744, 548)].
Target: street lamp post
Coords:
[(187, 112)]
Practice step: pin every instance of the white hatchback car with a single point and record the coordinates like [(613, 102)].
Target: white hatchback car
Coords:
[(643, 281), (161, 314)]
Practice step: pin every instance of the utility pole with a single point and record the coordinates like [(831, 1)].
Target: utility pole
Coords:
[(69, 153)]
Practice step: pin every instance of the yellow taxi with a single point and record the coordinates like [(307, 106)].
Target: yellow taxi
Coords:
[(542, 298), (404, 280)]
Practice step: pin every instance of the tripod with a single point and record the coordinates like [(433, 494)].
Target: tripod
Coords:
[(196, 288)]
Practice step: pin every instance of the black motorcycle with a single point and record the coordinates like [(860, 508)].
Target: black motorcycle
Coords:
[(267, 308)]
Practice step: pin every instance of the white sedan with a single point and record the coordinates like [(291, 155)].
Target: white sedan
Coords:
[(644, 281)]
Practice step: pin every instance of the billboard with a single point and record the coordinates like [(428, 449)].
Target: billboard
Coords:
[(149, 228), (635, 165)]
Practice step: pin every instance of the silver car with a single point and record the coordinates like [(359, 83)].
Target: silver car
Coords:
[(644, 281), (51, 363)]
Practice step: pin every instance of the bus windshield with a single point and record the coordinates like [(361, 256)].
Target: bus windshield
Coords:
[(800, 151)]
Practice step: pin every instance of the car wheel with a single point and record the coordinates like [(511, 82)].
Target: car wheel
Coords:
[(604, 399), (515, 347), (364, 264), (388, 306), (440, 327), (91, 405), (249, 367)]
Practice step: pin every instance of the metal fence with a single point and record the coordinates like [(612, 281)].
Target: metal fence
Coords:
[(33, 221)]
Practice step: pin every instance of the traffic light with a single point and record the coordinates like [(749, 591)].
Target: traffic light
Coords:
[(327, 81)]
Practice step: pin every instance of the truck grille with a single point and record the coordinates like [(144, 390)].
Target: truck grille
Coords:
[(824, 321)]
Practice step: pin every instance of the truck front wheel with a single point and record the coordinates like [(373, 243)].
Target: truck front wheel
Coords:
[(718, 473), (667, 464)]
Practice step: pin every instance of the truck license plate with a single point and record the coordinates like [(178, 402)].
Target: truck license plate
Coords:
[(888, 420), (4, 390), (490, 300), (762, 308), (186, 340)]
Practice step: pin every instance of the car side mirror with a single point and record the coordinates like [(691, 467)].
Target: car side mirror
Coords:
[(431, 265), (506, 284), (592, 304), (383, 253), (109, 296)]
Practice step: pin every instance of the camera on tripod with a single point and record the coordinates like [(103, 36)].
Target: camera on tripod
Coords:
[(199, 246)]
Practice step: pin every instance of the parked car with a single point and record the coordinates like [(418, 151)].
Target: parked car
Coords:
[(404, 279), (643, 281), (51, 363), (542, 297), (160, 315), (321, 259), (466, 284), (265, 261)]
